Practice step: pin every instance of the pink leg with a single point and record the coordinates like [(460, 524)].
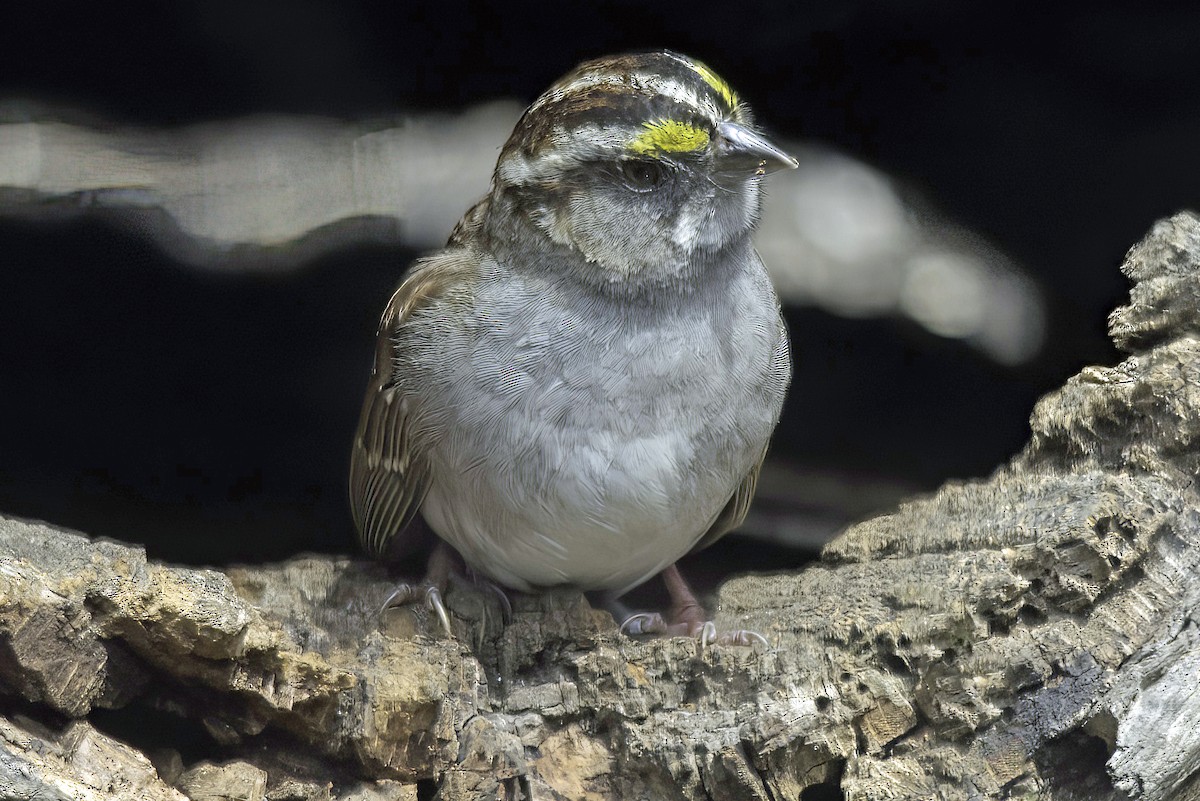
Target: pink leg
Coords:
[(687, 618)]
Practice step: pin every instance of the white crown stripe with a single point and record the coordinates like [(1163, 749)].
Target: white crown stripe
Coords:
[(645, 83)]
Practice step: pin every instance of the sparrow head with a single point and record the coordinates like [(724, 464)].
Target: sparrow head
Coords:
[(642, 163)]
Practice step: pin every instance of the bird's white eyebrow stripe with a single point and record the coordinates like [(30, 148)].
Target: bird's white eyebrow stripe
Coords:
[(519, 169)]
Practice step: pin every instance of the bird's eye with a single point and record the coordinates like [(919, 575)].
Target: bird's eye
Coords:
[(643, 175)]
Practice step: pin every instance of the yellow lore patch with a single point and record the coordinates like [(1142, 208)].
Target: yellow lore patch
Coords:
[(669, 136), (717, 83)]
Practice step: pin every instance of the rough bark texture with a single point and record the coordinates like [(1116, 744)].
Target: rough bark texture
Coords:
[(1030, 635)]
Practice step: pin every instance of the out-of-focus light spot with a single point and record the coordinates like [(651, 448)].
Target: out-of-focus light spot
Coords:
[(838, 235), (945, 293), (850, 212)]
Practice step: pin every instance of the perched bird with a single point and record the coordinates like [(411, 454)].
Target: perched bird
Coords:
[(580, 387)]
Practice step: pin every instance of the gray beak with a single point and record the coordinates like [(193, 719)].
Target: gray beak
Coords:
[(739, 149)]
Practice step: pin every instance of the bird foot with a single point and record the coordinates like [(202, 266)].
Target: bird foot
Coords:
[(479, 582), (687, 619), (429, 591), (445, 567), (426, 592), (703, 631)]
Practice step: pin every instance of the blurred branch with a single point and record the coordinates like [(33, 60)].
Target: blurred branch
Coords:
[(269, 193)]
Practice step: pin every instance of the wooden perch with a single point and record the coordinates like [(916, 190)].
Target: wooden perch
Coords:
[(1027, 636)]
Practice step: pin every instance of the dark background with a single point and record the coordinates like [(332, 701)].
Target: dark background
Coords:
[(209, 415)]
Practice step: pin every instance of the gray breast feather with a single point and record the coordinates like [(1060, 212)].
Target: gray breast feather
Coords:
[(600, 442)]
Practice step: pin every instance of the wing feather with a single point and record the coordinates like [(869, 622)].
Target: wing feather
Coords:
[(389, 475)]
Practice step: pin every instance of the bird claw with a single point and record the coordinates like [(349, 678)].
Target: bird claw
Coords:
[(708, 634), (704, 632), (505, 604), (644, 623), (426, 592), (433, 597), (480, 582), (745, 637)]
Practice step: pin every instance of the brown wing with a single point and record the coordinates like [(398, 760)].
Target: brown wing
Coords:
[(388, 475), (735, 511)]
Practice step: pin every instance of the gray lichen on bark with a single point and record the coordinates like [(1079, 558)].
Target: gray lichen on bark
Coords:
[(1027, 635)]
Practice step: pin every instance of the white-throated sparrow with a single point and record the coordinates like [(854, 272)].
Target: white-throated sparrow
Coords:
[(579, 389)]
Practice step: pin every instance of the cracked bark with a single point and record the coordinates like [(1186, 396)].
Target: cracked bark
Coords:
[(1027, 635)]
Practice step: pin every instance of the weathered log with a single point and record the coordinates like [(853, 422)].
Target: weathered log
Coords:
[(1027, 635)]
